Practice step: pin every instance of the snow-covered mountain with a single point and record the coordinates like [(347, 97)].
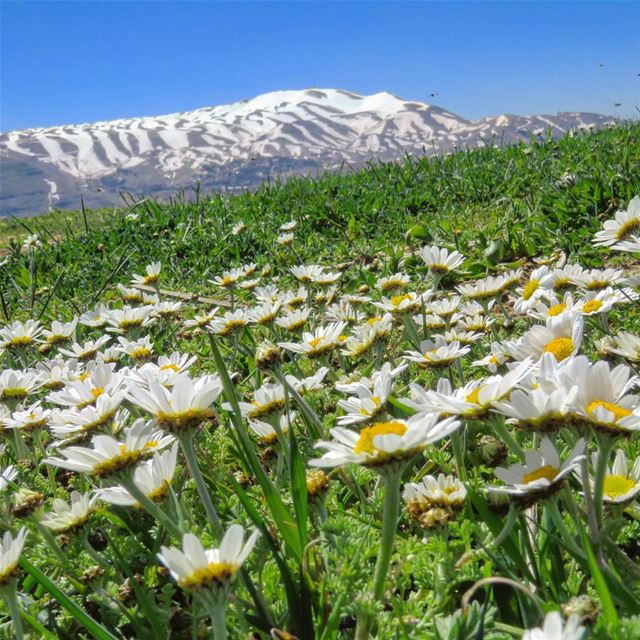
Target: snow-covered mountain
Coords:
[(238, 146)]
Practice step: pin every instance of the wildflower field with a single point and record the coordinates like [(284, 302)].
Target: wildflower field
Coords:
[(398, 403)]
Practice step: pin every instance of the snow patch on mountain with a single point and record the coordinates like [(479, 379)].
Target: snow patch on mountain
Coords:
[(241, 144)]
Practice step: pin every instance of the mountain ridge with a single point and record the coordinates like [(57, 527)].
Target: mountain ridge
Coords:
[(237, 146)]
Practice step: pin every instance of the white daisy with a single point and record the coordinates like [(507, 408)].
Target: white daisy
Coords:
[(19, 334), (553, 629), (440, 260), (139, 351), (230, 322), (185, 406), (109, 456), (130, 318), (366, 403), (603, 400), (294, 319), (85, 351), (561, 336), (59, 331), (10, 551), (67, 517), (151, 276), (542, 473), (624, 224), (436, 353), (71, 422), (152, 477), (198, 568), (403, 303), (485, 288), (395, 281), (384, 443), (626, 345), (16, 385), (321, 341)]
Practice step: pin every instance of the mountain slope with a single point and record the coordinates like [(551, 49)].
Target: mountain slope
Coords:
[(233, 147)]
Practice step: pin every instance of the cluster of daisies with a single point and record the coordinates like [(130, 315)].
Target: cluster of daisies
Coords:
[(367, 368)]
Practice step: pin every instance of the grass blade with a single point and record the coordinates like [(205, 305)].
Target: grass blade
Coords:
[(81, 616)]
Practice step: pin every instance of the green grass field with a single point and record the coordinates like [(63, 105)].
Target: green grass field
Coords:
[(340, 553)]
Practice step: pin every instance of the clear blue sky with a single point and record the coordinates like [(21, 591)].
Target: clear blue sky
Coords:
[(72, 62)]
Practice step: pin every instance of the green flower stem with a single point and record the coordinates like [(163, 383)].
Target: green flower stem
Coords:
[(410, 328), (512, 516), (229, 389), (606, 444), (313, 420), (565, 534), (127, 482), (21, 449), (458, 454), (390, 511), (389, 521), (51, 543), (186, 442), (508, 322), (507, 438), (94, 555), (588, 501), (379, 350), (10, 596), (218, 619)]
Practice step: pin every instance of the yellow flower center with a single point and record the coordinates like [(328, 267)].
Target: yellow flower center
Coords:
[(560, 347), (376, 405), (372, 321), (396, 301), (83, 376), (618, 411), (125, 460), (179, 422), (266, 408), (316, 341), (170, 367), (557, 309), (96, 392), (214, 572), (13, 392), (530, 288), (129, 324), (439, 268), (159, 493), (615, 486), (548, 471), (627, 228), (18, 341), (473, 397), (561, 282), (365, 441), (591, 306)]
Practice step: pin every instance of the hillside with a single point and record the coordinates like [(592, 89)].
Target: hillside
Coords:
[(239, 146), (512, 203)]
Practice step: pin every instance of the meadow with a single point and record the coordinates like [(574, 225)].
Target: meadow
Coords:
[(398, 402)]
